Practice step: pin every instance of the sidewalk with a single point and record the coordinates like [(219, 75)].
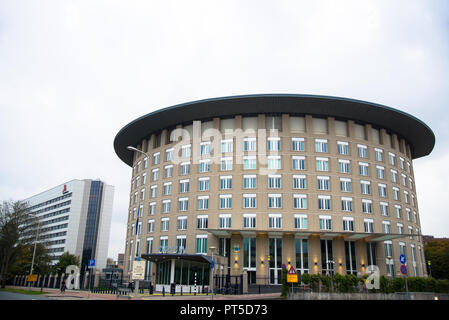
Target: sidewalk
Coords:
[(85, 295)]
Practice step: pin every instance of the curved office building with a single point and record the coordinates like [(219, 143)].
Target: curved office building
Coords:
[(256, 182)]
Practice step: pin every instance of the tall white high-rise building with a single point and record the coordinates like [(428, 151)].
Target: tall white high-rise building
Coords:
[(75, 217)]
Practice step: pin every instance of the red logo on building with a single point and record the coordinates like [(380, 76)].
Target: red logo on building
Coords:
[(64, 190)]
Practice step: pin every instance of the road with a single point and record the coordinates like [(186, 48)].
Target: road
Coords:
[(5, 295)]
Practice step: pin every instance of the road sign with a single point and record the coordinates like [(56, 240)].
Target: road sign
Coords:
[(32, 277), (212, 264), (91, 263), (292, 276), (138, 270), (404, 269), (402, 258)]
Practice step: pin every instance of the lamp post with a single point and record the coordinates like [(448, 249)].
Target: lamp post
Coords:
[(212, 249), (131, 148), (34, 250)]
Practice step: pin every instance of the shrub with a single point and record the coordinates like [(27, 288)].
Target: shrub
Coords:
[(442, 286)]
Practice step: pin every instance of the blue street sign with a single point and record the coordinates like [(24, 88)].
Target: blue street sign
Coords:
[(137, 259), (212, 264), (91, 263), (403, 269), (402, 258)]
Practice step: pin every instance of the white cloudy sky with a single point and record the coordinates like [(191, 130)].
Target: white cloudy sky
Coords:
[(73, 73)]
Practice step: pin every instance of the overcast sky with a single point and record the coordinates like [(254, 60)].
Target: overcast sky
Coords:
[(73, 73)]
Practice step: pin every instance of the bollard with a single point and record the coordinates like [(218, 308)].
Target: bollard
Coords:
[(181, 290), (163, 290)]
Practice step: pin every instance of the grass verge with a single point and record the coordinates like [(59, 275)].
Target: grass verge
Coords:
[(32, 292)]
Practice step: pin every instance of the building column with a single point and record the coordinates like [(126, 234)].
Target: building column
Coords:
[(338, 244), (262, 263), (315, 254)]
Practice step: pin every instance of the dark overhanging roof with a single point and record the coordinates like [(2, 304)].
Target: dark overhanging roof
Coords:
[(419, 136)]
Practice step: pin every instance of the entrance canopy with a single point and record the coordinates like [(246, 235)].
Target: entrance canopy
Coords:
[(160, 257)]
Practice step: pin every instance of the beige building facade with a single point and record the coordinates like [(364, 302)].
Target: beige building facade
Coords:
[(280, 183)]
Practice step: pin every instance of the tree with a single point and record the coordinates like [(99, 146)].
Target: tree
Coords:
[(15, 222), (437, 252), (65, 260)]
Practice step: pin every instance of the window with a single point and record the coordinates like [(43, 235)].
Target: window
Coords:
[(168, 171), (205, 148), (348, 224), (205, 165), (300, 201), (325, 223), (404, 179), (185, 151), (367, 206), (183, 204), (402, 163), (322, 164), (369, 225), (324, 202), (164, 244), (365, 187), (152, 208), (383, 208), (155, 174), (165, 224), (226, 146), (323, 183), (320, 145), (298, 163), (363, 169), (302, 255), (201, 244), (184, 186), (301, 221), (382, 190), (151, 225), (169, 154), (343, 147), (274, 181), (378, 154), (388, 245), (225, 182), (249, 220), (345, 185), (344, 166), (203, 202), (392, 158), (185, 168), (225, 201), (274, 201), (398, 211), (166, 205), (167, 188), (249, 181), (203, 184), (249, 144), (181, 244), (394, 175), (144, 178), (407, 212), (156, 158), (274, 162), (202, 221), (299, 182), (346, 204), (249, 163), (297, 144), (362, 151), (249, 201), (182, 223), (145, 163), (380, 172), (274, 221), (153, 191), (395, 193), (386, 226), (226, 164), (274, 144), (225, 221), (400, 227)]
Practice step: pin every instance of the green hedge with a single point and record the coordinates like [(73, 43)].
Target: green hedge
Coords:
[(350, 283)]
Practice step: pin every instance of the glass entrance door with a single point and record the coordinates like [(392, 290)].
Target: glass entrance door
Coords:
[(275, 257)]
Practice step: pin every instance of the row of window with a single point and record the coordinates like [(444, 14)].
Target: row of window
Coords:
[(275, 202), (274, 144), (275, 182), (274, 222)]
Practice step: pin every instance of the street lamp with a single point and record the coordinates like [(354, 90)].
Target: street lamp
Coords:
[(34, 250), (135, 149)]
